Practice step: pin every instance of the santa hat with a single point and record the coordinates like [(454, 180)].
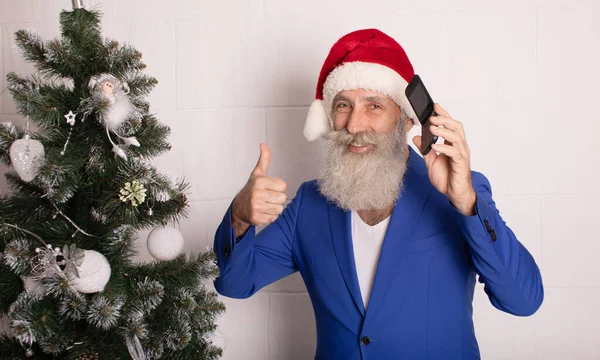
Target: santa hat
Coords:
[(364, 59)]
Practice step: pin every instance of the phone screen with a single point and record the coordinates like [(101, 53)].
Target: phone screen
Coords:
[(422, 104), (420, 101)]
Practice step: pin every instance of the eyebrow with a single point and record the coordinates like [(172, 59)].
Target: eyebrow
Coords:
[(363, 98), (373, 98), (338, 98)]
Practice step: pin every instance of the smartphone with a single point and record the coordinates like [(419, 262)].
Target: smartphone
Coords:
[(422, 104)]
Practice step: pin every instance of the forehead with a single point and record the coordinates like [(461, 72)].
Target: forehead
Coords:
[(362, 95)]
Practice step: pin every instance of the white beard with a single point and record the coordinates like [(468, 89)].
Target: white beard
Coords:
[(369, 181)]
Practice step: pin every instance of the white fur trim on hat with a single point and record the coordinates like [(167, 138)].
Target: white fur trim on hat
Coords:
[(369, 76), (317, 122)]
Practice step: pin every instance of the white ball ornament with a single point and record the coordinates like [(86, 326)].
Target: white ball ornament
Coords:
[(94, 273), (165, 243)]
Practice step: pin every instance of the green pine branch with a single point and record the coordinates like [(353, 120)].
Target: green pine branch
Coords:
[(45, 102), (10, 287)]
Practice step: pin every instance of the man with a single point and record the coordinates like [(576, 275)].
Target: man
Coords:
[(388, 243)]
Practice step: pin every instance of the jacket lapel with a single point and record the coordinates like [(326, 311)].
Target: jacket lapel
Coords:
[(402, 224), (341, 235)]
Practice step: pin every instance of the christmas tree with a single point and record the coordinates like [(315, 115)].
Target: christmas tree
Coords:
[(81, 187)]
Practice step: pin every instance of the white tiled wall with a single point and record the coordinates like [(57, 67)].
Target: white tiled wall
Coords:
[(521, 74)]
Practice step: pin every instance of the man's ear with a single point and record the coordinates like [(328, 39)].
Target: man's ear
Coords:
[(409, 124)]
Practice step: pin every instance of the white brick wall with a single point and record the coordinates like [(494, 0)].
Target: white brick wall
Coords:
[(521, 74)]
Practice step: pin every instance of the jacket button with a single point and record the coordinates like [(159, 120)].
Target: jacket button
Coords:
[(227, 249), (365, 340), (493, 233), (487, 225)]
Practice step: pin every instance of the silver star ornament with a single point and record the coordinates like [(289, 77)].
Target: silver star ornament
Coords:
[(70, 118)]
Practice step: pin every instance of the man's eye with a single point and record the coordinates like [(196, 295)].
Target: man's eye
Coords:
[(342, 106), (376, 106)]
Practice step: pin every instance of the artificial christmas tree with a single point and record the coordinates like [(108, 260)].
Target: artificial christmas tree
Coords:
[(82, 186)]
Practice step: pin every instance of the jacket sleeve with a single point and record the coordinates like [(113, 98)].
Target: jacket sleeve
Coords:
[(255, 260), (511, 278)]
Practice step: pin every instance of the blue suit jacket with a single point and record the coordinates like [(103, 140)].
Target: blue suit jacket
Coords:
[(421, 301)]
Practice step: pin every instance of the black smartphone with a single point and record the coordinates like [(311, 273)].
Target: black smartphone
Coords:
[(422, 104)]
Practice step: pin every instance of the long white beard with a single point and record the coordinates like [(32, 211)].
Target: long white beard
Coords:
[(369, 181)]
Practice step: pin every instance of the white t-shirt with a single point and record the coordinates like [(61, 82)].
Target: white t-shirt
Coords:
[(367, 241)]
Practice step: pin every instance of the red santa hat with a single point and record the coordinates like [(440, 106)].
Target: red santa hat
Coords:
[(364, 59)]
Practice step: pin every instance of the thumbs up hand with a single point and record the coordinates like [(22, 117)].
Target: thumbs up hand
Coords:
[(261, 200)]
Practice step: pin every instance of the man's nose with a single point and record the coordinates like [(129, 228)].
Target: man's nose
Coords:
[(357, 122)]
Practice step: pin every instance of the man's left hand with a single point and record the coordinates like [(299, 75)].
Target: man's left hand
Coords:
[(450, 170)]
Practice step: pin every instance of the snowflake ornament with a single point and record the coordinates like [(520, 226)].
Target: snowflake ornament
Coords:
[(133, 192)]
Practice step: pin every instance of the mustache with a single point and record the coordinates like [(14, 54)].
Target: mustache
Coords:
[(364, 138)]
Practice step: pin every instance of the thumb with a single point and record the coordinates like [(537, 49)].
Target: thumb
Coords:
[(263, 161)]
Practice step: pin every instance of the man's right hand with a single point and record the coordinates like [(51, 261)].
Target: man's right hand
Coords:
[(261, 200)]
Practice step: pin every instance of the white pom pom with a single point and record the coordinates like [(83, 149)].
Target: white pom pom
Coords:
[(118, 112), (317, 123)]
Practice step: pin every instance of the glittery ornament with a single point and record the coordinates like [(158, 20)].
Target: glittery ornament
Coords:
[(29, 353), (94, 273), (165, 243), (133, 191), (44, 264), (27, 157)]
